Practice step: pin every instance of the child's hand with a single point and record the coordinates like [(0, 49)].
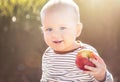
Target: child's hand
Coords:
[(99, 72)]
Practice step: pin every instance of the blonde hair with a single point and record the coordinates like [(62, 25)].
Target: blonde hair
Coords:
[(69, 3)]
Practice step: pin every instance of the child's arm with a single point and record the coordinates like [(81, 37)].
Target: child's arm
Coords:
[(100, 72)]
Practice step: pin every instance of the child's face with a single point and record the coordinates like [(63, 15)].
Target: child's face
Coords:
[(60, 29)]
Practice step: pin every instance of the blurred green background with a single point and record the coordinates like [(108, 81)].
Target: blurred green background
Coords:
[(22, 44)]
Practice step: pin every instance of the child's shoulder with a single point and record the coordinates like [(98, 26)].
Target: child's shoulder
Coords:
[(49, 50), (88, 46)]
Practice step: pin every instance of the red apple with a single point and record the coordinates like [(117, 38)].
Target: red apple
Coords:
[(83, 57)]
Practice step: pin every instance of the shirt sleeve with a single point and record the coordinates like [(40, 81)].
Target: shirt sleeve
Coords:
[(108, 78)]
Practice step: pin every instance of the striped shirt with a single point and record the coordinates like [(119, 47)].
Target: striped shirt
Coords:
[(62, 67)]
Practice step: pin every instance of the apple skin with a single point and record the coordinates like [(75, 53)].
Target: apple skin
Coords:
[(82, 58)]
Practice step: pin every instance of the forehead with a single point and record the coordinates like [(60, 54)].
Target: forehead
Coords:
[(58, 13), (60, 9), (59, 6)]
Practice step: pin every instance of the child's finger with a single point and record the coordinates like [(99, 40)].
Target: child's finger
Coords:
[(100, 60), (90, 68), (96, 62)]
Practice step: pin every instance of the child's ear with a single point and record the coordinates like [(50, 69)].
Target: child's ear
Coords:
[(79, 29)]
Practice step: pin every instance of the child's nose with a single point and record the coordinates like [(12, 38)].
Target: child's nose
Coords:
[(56, 34)]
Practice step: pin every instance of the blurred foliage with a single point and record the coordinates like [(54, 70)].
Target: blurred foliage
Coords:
[(19, 11), (20, 8)]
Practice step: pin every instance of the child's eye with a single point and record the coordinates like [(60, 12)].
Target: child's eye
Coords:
[(62, 28), (49, 29)]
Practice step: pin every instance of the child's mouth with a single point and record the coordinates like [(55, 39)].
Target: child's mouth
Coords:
[(58, 42)]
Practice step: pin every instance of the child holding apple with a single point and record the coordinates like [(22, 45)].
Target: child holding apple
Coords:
[(61, 27)]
